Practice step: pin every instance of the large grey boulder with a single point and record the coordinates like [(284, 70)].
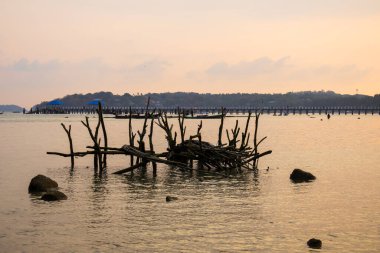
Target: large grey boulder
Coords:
[(299, 176), (41, 183), (54, 196)]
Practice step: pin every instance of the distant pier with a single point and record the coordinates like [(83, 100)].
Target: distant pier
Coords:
[(348, 110)]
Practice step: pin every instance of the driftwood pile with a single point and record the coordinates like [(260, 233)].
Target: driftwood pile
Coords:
[(181, 152)]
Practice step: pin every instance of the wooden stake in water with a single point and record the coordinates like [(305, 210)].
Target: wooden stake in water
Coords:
[(101, 120), (154, 164), (132, 135), (68, 132), (94, 138)]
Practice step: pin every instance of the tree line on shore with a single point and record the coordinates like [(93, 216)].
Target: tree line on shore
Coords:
[(191, 99)]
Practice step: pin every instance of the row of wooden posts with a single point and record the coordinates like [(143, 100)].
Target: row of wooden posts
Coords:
[(181, 152), (288, 110)]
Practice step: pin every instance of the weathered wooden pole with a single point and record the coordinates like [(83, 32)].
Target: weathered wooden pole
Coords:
[(68, 132), (255, 143), (221, 128), (154, 164), (245, 135), (182, 128), (101, 119), (130, 169), (132, 135), (97, 155), (143, 132)]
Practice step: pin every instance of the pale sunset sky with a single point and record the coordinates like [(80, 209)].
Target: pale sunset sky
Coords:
[(51, 48)]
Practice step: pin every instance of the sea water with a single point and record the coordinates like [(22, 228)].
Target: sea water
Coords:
[(254, 211)]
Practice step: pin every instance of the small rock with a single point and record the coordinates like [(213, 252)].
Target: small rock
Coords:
[(41, 183), (170, 198), (299, 176), (314, 243), (54, 196)]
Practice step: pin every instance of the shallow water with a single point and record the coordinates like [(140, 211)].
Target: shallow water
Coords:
[(261, 212)]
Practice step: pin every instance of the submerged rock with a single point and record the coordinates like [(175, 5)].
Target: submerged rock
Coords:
[(54, 196), (170, 198), (314, 243), (41, 183), (299, 176)]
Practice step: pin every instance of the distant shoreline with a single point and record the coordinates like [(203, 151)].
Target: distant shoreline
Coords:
[(193, 100)]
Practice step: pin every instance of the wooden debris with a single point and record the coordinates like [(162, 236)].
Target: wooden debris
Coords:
[(221, 157)]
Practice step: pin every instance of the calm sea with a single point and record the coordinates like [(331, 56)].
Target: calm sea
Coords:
[(253, 212)]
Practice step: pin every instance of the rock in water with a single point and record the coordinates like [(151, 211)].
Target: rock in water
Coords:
[(299, 176), (314, 243), (41, 183), (54, 196), (170, 198)]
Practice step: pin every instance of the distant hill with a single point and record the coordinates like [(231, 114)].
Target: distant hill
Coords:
[(10, 108), (184, 99)]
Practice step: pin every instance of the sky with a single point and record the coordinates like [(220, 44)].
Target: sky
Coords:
[(51, 48)]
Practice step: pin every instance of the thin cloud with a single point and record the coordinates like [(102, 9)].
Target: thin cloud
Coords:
[(25, 65), (246, 69), (327, 73), (265, 70), (56, 78), (149, 69)]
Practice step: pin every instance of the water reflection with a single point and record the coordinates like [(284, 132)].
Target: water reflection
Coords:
[(100, 202), (301, 188), (99, 183), (171, 178), (99, 193)]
